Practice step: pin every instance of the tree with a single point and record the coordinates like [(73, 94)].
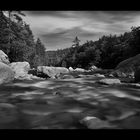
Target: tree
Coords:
[(12, 15), (76, 41), (40, 52)]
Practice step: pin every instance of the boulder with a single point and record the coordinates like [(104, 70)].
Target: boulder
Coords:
[(128, 67), (93, 68), (110, 75), (79, 70), (95, 123), (4, 58), (20, 69), (71, 69), (99, 75), (52, 72), (109, 81), (6, 73)]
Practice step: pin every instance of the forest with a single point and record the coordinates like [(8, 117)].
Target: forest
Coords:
[(17, 41), (105, 53)]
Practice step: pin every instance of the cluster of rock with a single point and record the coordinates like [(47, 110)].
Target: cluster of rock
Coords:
[(21, 70), (16, 70), (92, 68)]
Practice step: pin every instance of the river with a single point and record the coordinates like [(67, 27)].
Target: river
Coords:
[(62, 103)]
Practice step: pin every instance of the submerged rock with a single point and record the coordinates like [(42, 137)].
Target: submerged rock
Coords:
[(109, 81), (67, 77), (8, 113), (95, 123), (132, 122), (6, 73)]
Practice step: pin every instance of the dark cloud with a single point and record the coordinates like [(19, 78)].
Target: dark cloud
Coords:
[(63, 38), (64, 14), (57, 29)]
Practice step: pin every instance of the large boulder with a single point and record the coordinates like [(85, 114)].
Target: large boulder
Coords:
[(20, 69), (4, 58), (127, 67), (52, 72), (6, 73)]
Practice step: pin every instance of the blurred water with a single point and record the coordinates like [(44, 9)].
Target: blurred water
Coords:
[(74, 99)]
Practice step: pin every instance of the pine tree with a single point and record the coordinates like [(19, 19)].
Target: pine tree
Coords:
[(76, 42)]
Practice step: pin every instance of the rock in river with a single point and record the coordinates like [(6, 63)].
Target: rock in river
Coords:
[(109, 81), (6, 73), (95, 123), (52, 72), (20, 69)]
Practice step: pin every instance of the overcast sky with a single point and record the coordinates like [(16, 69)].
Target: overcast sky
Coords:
[(57, 29)]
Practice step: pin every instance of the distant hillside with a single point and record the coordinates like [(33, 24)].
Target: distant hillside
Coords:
[(106, 52)]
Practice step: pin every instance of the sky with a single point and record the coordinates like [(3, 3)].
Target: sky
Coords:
[(57, 29)]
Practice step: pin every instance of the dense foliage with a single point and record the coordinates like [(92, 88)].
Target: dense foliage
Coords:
[(105, 53), (17, 40)]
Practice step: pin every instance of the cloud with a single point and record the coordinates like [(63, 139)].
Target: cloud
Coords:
[(62, 38), (57, 29)]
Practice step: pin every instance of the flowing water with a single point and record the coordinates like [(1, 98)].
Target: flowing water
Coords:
[(62, 103)]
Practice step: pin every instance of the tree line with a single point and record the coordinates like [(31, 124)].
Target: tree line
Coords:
[(17, 39), (105, 53)]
